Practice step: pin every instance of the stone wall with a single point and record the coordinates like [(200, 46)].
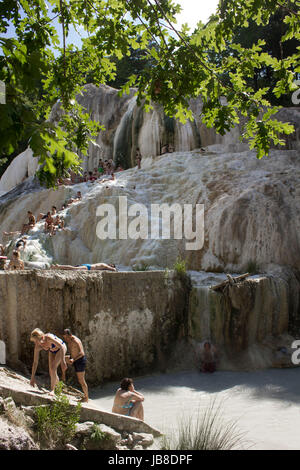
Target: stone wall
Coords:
[(253, 323), (128, 322)]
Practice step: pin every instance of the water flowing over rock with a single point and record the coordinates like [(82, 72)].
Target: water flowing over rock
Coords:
[(251, 223), (251, 213)]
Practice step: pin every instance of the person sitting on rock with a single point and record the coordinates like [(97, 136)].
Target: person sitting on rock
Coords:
[(21, 244), (91, 177), (59, 223), (57, 351), (128, 401), (49, 224), (16, 262), (86, 267), (43, 216)]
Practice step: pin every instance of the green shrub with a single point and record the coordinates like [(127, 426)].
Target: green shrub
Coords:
[(97, 434), (141, 267), (180, 266), (208, 432), (56, 423)]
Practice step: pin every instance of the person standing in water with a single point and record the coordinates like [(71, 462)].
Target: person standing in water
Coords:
[(78, 360), (57, 351)]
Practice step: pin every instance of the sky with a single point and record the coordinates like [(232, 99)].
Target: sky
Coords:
[(195, 10), (192, 12)]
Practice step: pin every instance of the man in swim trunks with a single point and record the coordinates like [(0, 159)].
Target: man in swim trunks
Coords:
[(128, 401), (78, 359), (30, 225)]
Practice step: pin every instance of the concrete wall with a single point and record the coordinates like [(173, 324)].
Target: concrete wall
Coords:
[(128, 322)]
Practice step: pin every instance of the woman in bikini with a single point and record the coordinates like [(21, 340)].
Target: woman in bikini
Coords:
[(128, 401), (57, 351)]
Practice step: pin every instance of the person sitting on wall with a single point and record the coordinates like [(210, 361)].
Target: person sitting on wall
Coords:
[(57, 351), (86, 267), (128, 401), (3, 260), (208, 357), (77, 359), (16, 262)]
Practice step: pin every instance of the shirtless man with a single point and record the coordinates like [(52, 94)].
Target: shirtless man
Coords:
[(78, 360), (31, 223), (86, 267), (128, 401), (49, 224), (43, 216)]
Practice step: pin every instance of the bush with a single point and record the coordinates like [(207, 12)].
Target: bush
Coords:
[(180, 267), (56, 423), (209, 432)]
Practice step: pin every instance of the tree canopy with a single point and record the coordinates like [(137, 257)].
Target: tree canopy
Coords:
[(40, 66)]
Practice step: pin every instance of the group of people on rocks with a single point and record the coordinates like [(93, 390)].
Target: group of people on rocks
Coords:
[(53, 222), (106, 168), (127, 400), (57, 356)]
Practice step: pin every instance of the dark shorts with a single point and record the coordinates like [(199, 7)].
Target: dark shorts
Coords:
[(80, 364)]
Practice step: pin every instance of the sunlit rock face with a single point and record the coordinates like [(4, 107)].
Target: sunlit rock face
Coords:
[(21, 168), (251, 213), (128, 127)]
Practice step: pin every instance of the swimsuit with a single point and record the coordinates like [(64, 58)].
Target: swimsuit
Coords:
[(53, 346), (80, 364), (128, 405), (87, 265)]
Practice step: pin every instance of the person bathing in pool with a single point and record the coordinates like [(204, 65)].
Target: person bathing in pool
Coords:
[(78, 359), (86, 267), (57, 351)]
